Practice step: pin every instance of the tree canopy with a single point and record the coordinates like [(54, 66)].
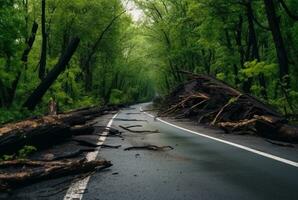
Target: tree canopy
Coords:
[(252, 45)]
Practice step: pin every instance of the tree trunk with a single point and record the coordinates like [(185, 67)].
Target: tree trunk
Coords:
[(17, 173), (254, 43), (30, 42), (37, 95), (43, 56), (278, 40)]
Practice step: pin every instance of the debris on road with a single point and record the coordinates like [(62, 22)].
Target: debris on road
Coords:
[(211, 101), (19, 172), (282, 144), (138, 131), (59, 141), (46, 131), (135, 113), (149, 147), (135, 126), (130, 120)]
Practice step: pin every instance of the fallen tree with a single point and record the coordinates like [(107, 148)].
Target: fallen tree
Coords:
[(69, 135), (46, 131), (20, 172), (211, 101)]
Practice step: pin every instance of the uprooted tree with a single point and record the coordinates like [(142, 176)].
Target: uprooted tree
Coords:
[(61, 141), (211, 101)]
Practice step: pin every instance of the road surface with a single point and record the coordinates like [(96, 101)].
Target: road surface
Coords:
[(197, 168)]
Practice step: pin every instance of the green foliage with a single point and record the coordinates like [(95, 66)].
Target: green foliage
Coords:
[(22, 153), (255, 68), (117, 97), (26, 151), (232, 100), (6, 157), (215, 37), (121, 61), (116, 63)]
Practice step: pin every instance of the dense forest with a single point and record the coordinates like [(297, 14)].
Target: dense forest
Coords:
[(107, 67), (251, 45)]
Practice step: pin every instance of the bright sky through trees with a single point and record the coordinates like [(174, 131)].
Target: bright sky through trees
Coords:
[(136, 13)]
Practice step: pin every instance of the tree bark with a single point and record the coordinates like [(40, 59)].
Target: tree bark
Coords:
[(88, 60), (254, 43), (278, 41), (17, 173), (38, 93), (43, 56), (30, 42)]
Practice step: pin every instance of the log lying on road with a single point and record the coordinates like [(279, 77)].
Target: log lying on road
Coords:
[(214, 102), (26, 171), (45, 131), (39, 133)]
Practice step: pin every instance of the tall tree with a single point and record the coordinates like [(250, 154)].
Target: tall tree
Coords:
[(43, 55), (278, 40)]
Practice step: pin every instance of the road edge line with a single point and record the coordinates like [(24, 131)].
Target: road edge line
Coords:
[(76, 189), (261, 153)]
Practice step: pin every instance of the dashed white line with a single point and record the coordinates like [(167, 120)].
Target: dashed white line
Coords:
[(261, 153), (77, 189)]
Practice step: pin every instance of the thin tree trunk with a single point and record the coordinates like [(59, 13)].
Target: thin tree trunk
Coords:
[(254, 42), (43, 56)]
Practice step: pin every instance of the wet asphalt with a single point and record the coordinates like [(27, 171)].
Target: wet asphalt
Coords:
[(197, 168)]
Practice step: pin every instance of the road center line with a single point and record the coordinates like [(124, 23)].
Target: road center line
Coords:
[(77, 189), (261, 153)]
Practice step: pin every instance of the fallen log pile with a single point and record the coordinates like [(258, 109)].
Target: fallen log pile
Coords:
[(210, 101), (61, 141), (45, 131), (22, 172)]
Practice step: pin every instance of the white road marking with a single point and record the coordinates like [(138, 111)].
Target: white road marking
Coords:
[(261, 153), (77, 189)]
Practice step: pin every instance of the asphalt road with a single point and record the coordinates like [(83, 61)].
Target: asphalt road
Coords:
[(197, 168)]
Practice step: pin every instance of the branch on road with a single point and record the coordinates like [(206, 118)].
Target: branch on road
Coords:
[(137, 131), (149, 147), (133, 113), (130, 120)]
